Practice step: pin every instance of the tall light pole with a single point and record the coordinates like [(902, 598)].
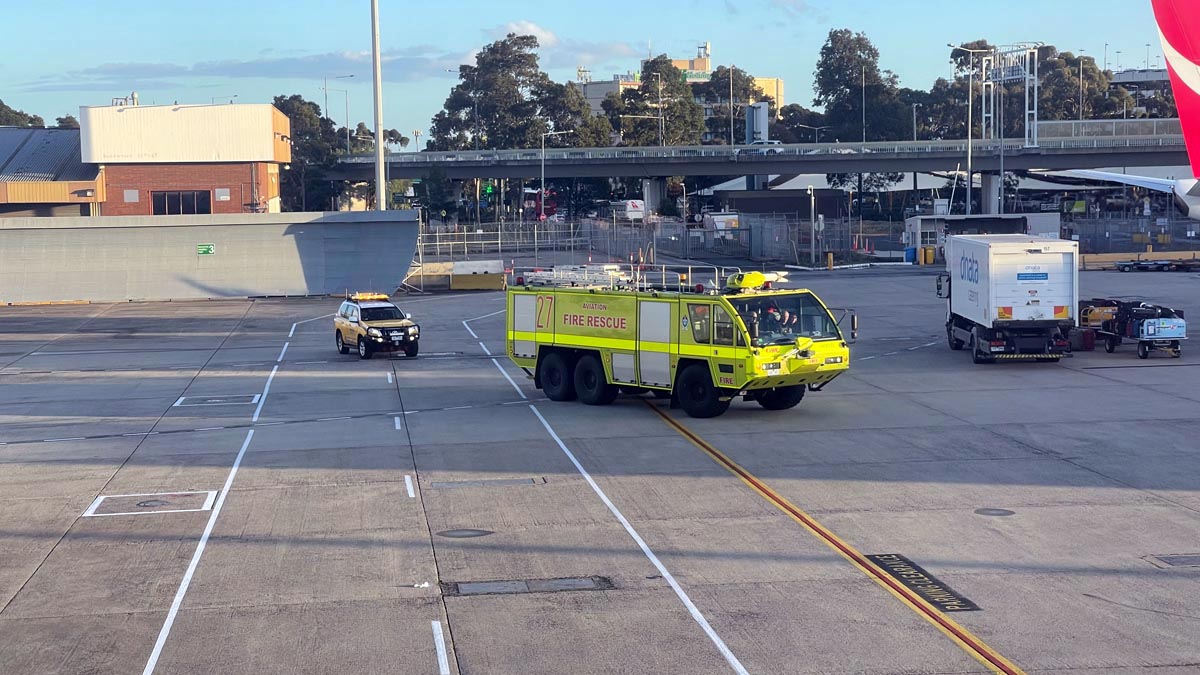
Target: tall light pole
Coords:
[(417, 140), (1147, 56), (325, 88), (816, 131), (914, 107), (662, 120), (732, 68), (542, 199), (231, 97), (1106, 56), (377, 73), (812, 218), (347, 94), (970, 113), (864, 106), (648, 117), (1081, 85)]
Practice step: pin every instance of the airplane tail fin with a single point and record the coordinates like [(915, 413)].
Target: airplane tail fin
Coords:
[(1179, 30)]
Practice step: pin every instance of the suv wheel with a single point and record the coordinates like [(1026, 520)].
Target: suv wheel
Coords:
[(341, 345), (411, 350), (364, 349)]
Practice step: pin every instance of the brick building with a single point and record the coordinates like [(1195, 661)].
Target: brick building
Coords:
[(186, 159)]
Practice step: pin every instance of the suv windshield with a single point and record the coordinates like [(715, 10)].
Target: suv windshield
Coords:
[(381, 314), (780, 319)]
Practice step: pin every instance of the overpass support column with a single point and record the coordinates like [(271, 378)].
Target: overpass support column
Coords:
[(654, 191), (990, 194)]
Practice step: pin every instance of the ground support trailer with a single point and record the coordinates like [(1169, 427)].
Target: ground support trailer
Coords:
[(1010, 296), (701, 349), (1151, 327)]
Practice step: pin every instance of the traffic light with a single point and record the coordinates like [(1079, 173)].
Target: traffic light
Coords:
[(487, 190)]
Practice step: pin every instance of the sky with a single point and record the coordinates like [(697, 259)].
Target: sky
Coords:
[(86, 53)]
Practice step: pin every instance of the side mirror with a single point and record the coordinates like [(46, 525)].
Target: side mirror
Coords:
[(853, 326), (408, 315), (943, 285)]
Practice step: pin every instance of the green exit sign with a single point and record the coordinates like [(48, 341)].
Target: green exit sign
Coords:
[(206, 249)]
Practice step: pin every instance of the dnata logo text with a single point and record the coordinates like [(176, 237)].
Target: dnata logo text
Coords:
[(968, 269)]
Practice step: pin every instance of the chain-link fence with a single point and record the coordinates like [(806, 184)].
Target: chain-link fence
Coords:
[(1133, 235), (465, 242)]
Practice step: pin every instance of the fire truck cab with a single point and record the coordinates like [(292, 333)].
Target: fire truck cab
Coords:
[(700, 349)]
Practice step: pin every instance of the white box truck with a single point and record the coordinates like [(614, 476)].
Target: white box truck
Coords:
[(1010, 296)]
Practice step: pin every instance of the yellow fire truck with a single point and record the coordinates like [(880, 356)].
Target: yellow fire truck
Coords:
[(701, 349)]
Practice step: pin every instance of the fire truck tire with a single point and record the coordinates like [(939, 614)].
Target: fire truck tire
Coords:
[(557, 379), (781, 398), (697, 395), (590, 383)]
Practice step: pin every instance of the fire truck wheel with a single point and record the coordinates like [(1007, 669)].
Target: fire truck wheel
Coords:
[(590, 383), (781, 398), (697, 395), (557, 380)]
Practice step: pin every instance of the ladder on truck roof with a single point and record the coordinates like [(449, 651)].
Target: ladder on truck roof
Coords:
[(607, 276)]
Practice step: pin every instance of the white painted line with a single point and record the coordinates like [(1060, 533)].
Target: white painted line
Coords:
[(208, 429), (468, 327), (55, 440), (408, 483), (866, 358), (459, 407), (389, 377), (507, 377), (95, 504), (331, 419), (191, 569), (242, 365), (293, 330), (178, 402), (488, 315), (929, 344), (410, 412), (666, 575), (270, 424), (266, 390), (399, 426), (439, 643), (282, 352), (891, 353), (307, 363), (913, 349), (484, 348)]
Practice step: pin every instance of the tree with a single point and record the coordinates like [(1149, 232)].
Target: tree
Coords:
[(505, 100), (665, 93), (716, 92), (67, 122), (11, 117), (800, 124), (304, 186), (438, 191)]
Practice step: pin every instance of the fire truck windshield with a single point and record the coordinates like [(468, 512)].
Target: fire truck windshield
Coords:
[(780, 319)]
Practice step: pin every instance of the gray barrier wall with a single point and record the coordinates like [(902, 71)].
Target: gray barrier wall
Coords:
[(189, 257)]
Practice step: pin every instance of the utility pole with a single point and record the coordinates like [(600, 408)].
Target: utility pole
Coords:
[(914, 107), (377, 72), (731, 70), (1081, 85), (662, 124), (812, 218), (970, 114)]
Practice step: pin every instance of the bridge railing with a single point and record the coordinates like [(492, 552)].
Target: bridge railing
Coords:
[(755, 153)]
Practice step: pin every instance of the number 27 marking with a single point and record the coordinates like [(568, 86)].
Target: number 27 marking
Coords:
[(545, 305)]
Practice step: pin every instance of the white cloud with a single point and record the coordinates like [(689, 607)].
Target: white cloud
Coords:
[(545, 37)]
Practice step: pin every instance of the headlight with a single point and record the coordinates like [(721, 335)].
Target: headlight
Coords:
[(412, 330), (374, 332), (833, 359)]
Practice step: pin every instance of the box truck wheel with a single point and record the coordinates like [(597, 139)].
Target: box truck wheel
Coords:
[(590, 383), (781, 398), (557, 379), (1143, 350), (954, 342), (697, 395), (978, 356)]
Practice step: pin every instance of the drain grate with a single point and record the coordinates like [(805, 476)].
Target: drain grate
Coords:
[(1177, 560), (247, 399), (147, 503), (510, 586), (495, 482), (465, 533)]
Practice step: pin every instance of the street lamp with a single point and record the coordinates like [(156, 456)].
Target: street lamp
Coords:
[(347, 95), (812, 217), (970, 111), (1081, 85), (542, 200), (816, 131), (417, 140), (662, 120), (325, 88), (914, 107), (214, 98), (732, 69)]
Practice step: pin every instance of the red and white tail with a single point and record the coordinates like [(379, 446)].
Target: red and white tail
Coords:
[(1179, 30)]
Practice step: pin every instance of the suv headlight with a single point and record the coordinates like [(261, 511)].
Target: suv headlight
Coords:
[(412, 330), (374, 332)]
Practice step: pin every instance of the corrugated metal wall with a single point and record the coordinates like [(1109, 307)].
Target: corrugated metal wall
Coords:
[(183, 133), (156, 258)]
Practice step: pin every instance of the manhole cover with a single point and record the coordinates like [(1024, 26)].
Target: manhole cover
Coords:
[(994, 512), (464, 534), (153, 503)]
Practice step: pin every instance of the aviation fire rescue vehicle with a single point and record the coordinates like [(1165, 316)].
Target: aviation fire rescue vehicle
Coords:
[(586, 340)]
